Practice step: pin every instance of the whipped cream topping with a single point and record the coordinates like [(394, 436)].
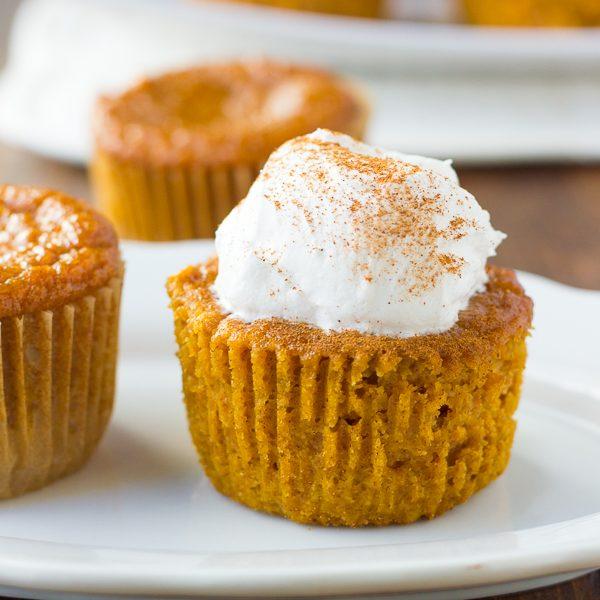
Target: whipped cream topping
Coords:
[(342, 235)]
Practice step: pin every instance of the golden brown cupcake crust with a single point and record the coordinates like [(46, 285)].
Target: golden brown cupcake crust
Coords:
[(223, 113), (54, 249), (490, 320)]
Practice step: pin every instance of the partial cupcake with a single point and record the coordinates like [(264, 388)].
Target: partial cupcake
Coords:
[(534, 13), (351, 8), (349, 358), (60, 287), (175, 154)]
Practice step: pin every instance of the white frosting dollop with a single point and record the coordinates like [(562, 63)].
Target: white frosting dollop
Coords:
[(342, 235)]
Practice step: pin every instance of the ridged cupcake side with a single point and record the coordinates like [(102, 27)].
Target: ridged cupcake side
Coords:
[(147, 202), (344, 437), (56, 388)]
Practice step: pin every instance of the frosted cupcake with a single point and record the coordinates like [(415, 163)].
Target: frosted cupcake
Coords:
[(60, 287), (174, 154), (349, 358)]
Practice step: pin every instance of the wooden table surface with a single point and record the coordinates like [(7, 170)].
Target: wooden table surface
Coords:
[(550, 213)]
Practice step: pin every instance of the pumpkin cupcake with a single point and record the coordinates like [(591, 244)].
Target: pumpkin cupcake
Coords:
[(60, 285), (352, 8), (534, 13), (174, 154), (349, 358)]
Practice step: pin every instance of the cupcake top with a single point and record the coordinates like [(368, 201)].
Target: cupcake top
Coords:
[(340, 235), (223, 113), (53, 250), (490, 321)]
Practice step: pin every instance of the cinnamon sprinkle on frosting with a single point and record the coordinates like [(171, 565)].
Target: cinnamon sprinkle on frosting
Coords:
[(352, 236)]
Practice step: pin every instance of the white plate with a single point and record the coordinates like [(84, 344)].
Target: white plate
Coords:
[(474, 94), (143, 519)]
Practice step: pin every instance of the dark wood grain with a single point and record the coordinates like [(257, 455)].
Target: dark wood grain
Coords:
[(551, 215), (21, 167), (582, 588)]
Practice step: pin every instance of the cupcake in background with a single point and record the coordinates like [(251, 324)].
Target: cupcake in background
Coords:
[(534, 13), (60, 288), (348, 358), (175, 153), (352, 8)]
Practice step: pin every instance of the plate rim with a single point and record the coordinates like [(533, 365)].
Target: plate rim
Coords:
[(261, 16), (397, 44), (550, 549)]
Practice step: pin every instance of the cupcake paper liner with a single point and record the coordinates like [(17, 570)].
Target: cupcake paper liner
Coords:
[(56, 388), (345, 439)]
